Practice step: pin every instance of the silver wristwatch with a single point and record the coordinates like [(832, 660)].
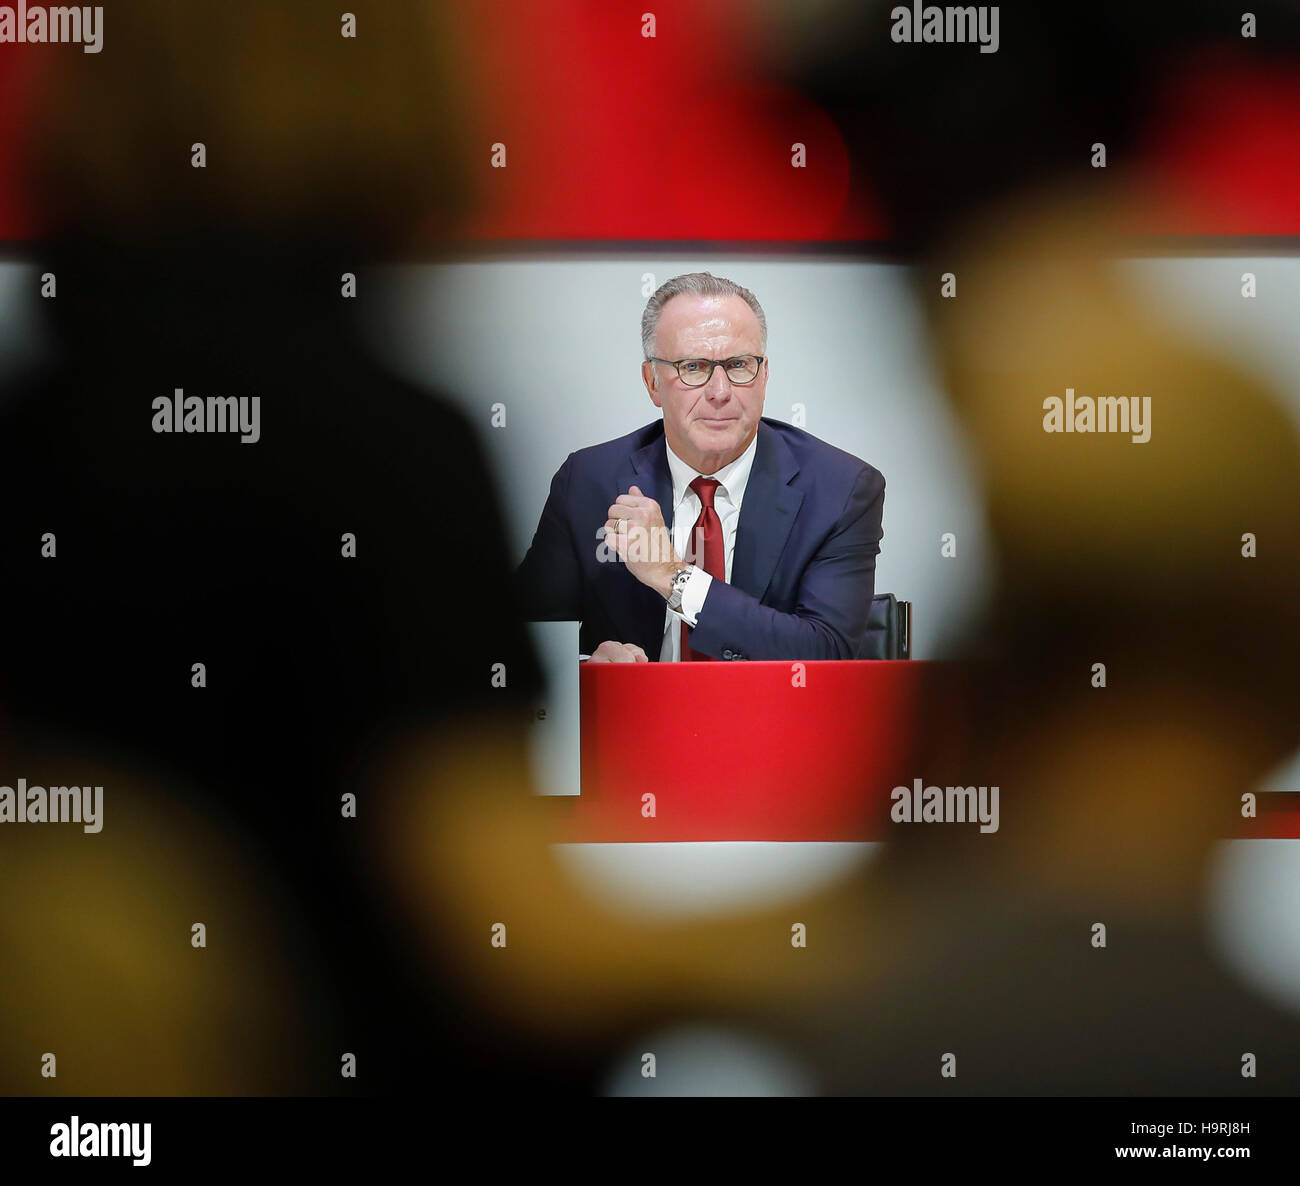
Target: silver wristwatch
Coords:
[(680, 577)]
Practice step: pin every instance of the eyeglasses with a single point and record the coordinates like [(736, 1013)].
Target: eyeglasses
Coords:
[(696, 372)]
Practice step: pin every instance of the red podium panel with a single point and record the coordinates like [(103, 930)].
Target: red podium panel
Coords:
[(742, 751)]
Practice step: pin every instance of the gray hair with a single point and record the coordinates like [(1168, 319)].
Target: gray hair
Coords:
[(696, 284)]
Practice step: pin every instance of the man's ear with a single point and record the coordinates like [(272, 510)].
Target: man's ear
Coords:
[(650, 377)]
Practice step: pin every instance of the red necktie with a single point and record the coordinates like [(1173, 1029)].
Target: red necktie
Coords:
[(707, 550)]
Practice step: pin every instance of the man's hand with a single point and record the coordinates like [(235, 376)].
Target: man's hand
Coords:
[(635, 530), (618, 652)]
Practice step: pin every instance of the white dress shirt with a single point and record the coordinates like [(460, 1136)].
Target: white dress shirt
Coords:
[(732, 479)]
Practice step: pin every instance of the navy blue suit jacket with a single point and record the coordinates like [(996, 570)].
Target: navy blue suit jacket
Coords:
[(803, 572)]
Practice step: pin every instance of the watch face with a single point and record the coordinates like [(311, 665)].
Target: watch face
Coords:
[(679, 586)]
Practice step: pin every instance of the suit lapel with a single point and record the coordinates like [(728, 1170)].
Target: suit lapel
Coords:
[(766, 515)]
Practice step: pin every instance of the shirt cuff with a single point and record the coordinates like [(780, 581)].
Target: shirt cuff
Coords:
[(693, 594)]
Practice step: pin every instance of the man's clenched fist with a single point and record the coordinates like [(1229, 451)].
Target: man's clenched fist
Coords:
[(635, 530)]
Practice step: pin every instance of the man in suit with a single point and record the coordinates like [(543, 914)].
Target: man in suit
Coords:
[(713, 533)]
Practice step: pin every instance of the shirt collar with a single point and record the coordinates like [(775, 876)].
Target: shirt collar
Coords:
[(733, 477)]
